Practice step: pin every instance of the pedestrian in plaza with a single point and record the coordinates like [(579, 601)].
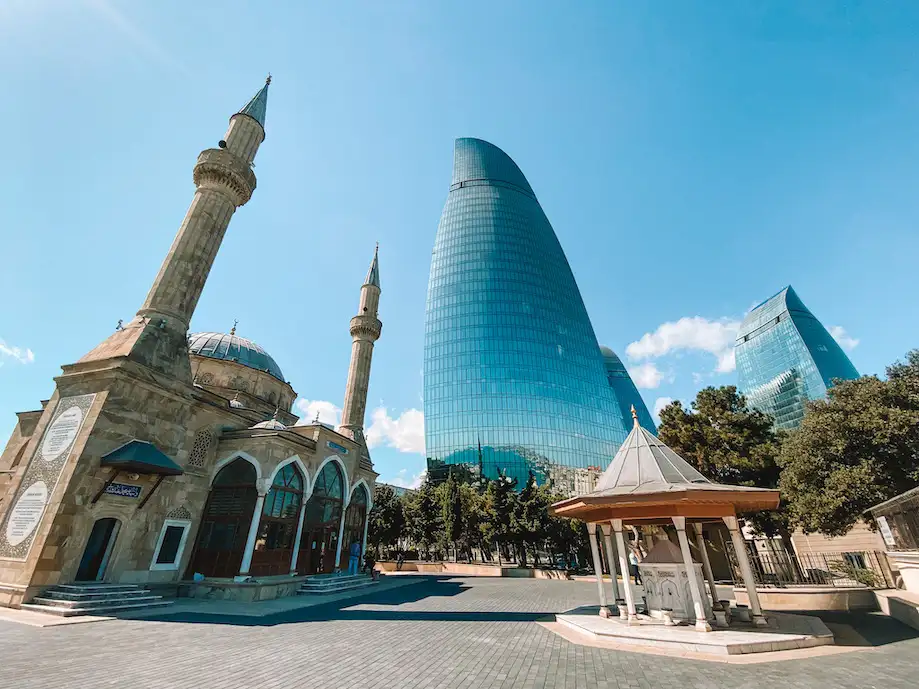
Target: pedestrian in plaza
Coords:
[(355, 558), (634, 559)]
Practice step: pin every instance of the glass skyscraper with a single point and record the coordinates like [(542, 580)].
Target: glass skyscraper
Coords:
[(786, 357), (513, 380), (627, 394)]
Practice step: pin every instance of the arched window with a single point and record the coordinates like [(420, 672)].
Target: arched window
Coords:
[(277, 529), (321, 523), (355, 516), (225, 524)]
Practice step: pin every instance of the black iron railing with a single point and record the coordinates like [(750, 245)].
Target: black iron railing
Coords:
[(865, 568)]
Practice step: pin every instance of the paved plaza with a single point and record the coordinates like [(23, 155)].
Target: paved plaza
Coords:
[(435, 632)]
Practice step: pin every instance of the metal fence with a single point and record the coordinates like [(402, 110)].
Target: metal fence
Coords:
[(840, 570)]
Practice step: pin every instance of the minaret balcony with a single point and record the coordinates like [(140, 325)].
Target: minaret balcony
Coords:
[(218, 167)]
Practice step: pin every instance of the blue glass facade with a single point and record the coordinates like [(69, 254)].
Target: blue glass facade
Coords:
[(626, 393), (512, 377), (786, 357)]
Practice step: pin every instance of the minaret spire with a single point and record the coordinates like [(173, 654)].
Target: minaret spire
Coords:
[(224, 181), (365, 330)]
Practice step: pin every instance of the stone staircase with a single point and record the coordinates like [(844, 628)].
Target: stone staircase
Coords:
[(69, 600), (334, 583)]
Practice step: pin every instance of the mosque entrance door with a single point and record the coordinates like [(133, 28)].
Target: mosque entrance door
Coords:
[(98, 550), (225, 524), (322, 523)]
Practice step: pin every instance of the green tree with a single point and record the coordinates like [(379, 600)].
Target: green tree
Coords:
[(853, 450), (451, 510), (423, 518), (386, 520), (498, 517), (729, 443)]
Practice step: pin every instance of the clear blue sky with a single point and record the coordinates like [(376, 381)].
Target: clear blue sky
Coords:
[(693, 158)]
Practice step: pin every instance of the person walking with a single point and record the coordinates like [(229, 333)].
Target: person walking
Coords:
[(633, 565), (400, 560), (355, 558)]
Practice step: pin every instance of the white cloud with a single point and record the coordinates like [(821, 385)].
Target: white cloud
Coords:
[(403, 481), (690, 334), (646, 375), (659, 405), (405, 433), (846, 341), (23, 356), (328, 412)]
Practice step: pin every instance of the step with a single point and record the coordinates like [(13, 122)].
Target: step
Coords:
[(95, 595), (94, 604), (95, 588), (61, 611), (306, 590), (336, 580)]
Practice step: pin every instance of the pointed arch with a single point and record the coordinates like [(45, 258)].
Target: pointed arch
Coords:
[(294, 459), (237, 454), (359, 482), (346, 482)]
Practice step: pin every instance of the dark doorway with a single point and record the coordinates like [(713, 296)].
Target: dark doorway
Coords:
[(322, 523), (98, 549), (225, 525)]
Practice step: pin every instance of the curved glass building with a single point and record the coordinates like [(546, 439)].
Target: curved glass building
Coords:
[(512, 377), (786, 357), (627, 394)]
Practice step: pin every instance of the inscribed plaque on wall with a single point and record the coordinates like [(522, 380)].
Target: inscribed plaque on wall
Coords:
[(41, 477)]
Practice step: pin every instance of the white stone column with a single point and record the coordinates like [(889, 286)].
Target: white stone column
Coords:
[(706, 563), (698, 606), (341, 535), (364, 539), (624, 568), (296, 553), (253, 528), (610, 558), (598, 568), (746, 571)]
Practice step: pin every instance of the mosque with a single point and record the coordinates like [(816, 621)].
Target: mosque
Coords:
[(164, 456)]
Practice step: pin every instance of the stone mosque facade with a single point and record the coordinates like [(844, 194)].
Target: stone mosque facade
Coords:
[(167, 457)]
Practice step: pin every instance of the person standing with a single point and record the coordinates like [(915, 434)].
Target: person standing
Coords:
[(633, 565), (400, 560), (355, 558)]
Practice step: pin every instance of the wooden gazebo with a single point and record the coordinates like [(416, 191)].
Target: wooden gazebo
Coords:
[(648, 483)]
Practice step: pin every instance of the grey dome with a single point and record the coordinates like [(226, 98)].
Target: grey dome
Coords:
[(271, 424), (233, 348)]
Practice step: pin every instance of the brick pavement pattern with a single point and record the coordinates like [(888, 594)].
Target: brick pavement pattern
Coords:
[(437, 633)]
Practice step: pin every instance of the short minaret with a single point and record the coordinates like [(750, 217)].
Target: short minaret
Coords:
[(224, 181), (365, 330)]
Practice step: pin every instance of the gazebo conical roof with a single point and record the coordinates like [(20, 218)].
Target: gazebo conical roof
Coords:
[(649, 483)]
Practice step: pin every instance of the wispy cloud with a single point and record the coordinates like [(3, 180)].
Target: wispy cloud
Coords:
[(694, 333), (404, 433), (659, 405), (647, 376), (403, 480), (846, 341), (139, 39), (23, 355), (308, 409)]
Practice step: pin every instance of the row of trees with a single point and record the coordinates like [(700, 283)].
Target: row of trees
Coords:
[(855, 449), (468, 518), (858, 447)]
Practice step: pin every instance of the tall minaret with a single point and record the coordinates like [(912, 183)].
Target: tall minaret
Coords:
[(365, 330), (224, 181)]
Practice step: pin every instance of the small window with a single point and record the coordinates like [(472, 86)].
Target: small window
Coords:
[(171, 544)]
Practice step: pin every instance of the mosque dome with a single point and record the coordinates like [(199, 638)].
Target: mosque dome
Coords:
[(271, 424), (231, 347)]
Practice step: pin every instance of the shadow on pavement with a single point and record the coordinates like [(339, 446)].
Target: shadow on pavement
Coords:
[(871, 628), (436, 586)]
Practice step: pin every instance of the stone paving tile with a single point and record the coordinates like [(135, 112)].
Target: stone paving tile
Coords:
[(438, 634)]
